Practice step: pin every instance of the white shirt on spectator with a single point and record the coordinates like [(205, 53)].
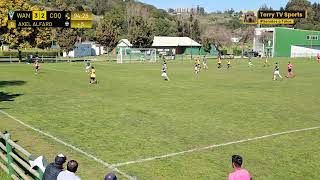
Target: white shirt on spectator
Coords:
[(67, 175)]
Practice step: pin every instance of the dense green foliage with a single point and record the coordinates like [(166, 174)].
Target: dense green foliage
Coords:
[(140, 33), (26, 52)]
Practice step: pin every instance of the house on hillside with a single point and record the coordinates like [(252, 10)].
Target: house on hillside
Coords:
[(286, 42)]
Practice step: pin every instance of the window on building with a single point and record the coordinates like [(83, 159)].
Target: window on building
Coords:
[(312, 37)]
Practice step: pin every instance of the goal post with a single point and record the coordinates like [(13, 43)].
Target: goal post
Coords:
[(136, 55)]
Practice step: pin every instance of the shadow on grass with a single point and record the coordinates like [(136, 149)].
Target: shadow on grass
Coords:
[(6, 96), (11, 83)]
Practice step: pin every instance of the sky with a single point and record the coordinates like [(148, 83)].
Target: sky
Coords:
[(221, 5)]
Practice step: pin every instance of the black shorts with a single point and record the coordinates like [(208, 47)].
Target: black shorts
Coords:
[(92, 78), (289, 70), (37, 67)]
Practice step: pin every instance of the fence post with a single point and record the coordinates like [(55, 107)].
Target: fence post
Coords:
[(40, 173), (9, 158), (10, 59)]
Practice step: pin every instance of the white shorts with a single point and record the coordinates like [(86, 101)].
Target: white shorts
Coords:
[(164, 75), (276, 73)]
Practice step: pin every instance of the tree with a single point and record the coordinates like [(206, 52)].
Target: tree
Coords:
[(66, 39), (246, 36), (186, 30), (206, 44), (140, 33), (43, 37), (265, 7), (196, 31), (170, 10), (179, 28), (162, 27), (14, 37), (117, 19), (234, 23), (294, 5), (219, 36), (202, 11), (107, 34), (198, 9)]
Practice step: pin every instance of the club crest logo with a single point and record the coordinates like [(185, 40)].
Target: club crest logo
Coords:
[(11, 14)]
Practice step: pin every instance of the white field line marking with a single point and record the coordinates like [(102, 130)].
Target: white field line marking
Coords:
[(211, 147), (59, 70), (70, 146)]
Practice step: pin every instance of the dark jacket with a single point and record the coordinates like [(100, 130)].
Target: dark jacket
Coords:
[(52, 171)]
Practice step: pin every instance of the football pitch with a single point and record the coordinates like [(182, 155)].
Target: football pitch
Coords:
[(186, 128)]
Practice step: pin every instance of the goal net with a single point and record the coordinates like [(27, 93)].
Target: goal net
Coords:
[(132, 55)]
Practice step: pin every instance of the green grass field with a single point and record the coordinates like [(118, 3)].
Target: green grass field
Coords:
[(132, 114)]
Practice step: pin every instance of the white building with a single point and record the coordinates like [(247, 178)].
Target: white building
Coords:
[(85, 49)]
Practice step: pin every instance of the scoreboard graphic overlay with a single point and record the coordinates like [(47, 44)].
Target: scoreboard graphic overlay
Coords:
[(65, 19)]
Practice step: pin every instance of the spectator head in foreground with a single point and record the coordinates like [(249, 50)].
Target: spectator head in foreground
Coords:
[(69, 174), (236, 161), (72, 166), (239, 173), (60, 159), (53, 169), (110, 176)]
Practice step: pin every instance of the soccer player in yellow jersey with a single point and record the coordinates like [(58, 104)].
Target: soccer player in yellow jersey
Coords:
[(266, 62), (219, 62), (229, 64), (197, 60), (197, 65), (92, 74), (37, 66)]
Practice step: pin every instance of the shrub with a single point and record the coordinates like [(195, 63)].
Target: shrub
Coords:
[(15, 53)]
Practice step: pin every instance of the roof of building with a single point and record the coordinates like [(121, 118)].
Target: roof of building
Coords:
[(124, 43), (164, 41)]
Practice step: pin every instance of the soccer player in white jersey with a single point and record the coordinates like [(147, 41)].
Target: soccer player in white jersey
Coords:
[(276, 72), (164, 72)]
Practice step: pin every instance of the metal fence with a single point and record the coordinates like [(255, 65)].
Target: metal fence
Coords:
[(14, 160)]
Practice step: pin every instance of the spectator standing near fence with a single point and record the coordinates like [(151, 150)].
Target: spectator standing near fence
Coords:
[(318, 57), (53, 169), (239, 173), (70, 173)]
